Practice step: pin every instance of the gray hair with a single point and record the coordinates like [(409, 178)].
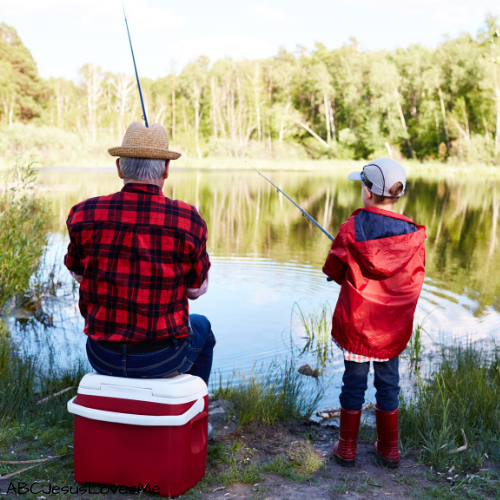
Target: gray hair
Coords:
[(142, 169)]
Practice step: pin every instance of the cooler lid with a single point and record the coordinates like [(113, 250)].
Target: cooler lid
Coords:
[(176, 390)]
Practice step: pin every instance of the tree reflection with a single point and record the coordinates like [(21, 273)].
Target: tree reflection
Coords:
[(246, 216)]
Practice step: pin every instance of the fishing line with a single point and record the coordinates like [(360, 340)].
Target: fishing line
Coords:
[(312, 228), (144, 116)]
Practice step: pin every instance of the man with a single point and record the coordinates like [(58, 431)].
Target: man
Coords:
[(138, 257)]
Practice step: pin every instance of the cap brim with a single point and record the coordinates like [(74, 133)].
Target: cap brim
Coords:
[(355, 176)]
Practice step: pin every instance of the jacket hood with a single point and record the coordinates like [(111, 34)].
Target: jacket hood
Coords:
[(383, 242)]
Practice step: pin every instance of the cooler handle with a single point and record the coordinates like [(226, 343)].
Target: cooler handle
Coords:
[(130, 419)]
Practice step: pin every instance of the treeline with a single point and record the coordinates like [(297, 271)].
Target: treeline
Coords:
[(416, 102)]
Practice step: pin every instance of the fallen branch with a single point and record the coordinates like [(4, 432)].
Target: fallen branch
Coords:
[(328, 413), (314, 134), (56, 394), (18, 472), (461, 448), (331, 413), (45, 460), (10, 462)]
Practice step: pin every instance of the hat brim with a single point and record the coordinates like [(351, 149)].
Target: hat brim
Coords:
[(355, 176), (144, 152)]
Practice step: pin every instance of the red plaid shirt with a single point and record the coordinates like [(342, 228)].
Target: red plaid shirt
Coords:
[(137, 251)]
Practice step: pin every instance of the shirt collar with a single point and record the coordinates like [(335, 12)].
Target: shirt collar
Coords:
[(132, 187)]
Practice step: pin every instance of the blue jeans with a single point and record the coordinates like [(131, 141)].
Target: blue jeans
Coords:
[(355, 383), (188, 355)]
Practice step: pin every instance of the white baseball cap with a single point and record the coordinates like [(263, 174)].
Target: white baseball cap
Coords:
[(380, 175)]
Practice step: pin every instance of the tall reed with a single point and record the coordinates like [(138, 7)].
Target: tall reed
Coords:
[(317, 327)]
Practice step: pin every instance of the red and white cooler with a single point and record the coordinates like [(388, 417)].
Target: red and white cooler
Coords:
[(138, 432)]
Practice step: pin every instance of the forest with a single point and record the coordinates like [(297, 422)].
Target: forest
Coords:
[(417, 102)]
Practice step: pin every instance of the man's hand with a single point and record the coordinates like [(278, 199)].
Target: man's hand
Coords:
[(76, 276), (194, 293)]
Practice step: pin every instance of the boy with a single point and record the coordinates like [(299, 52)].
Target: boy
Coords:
[(378, 258)]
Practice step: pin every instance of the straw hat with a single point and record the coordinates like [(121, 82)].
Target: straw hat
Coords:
[(142, 142)]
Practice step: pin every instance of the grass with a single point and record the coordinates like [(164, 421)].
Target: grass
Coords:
[(29, 431), (463, 392), (274, 394)]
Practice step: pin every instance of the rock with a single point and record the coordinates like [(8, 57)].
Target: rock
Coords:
[(308, 371), (216, 411), (220, 410), (305, 370)]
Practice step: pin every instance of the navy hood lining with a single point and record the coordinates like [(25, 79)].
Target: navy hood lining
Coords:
[(374, 226)]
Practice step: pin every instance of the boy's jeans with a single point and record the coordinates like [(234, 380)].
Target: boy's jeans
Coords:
[(386, 383), (188, 355)]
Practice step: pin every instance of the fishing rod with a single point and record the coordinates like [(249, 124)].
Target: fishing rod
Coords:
[(135, 67), (304, 213)]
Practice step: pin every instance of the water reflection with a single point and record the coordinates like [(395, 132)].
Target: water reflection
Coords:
[(245, 216), (266, 256)]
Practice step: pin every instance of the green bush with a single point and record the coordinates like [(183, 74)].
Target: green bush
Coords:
[(24, 223)]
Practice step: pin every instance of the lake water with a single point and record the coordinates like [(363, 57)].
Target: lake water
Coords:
[(266, 258)]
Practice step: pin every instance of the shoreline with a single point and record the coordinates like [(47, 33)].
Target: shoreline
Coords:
[(434, 170)]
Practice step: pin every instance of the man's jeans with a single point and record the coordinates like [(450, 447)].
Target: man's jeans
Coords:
[(188, 355), (386, 383)]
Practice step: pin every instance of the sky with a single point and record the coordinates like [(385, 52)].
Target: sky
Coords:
[(63, 35)]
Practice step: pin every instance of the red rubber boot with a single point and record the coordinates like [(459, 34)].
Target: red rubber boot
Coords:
[(344, 449), (386, 447)]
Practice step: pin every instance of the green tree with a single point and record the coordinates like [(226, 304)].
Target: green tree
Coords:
[(23, 79)]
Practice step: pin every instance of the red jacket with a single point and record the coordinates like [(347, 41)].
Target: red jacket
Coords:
[(378, 258)]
